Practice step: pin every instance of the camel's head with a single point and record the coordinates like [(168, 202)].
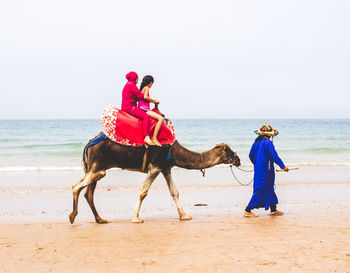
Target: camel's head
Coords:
[(228, 156)]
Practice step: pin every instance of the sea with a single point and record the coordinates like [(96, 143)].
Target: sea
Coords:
[(57, 145)]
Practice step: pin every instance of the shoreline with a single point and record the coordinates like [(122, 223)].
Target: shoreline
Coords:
[(48, 169), (117, 205), (122, 180), (47, 196)]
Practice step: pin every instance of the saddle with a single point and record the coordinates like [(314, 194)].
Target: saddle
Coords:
[(125, 129)]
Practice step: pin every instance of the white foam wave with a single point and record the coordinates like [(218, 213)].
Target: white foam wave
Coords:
[(38, 169), (326, 164), (80, 168), (293, 164)]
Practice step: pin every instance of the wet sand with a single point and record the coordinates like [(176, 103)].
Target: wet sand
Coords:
[(316, 241), (312, 236)]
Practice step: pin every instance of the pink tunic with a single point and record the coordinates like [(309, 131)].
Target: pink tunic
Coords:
[(131, 94), (144, 105)]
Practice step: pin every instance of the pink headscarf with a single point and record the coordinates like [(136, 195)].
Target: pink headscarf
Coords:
[(132, 76)]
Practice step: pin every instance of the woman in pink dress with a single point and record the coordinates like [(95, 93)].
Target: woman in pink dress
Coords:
[(144, 104), (130, 95)]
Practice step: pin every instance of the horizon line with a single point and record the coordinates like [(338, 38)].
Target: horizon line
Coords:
[(300, 118)]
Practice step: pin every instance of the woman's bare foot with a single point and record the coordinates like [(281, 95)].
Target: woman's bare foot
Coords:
[(148, 141), (156, 142)]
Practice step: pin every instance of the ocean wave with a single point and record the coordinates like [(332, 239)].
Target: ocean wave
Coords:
[(307, 164), (39, 169), (247, 167), (37, 154), (50, 145), (312, 164), (291, 164), (53, 145), (316, 150), (327, 150)]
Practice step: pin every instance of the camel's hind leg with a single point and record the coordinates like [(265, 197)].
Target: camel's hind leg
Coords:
[(175, 195), (152, 174), (89, 178), (89, 196)]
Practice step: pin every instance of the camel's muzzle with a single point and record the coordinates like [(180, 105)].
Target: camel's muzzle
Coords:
[(236, 161)]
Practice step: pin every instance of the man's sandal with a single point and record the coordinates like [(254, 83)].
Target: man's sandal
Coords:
[(276, 213), (249, 214)]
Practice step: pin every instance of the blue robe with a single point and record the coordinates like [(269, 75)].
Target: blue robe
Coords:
[(263, 155)]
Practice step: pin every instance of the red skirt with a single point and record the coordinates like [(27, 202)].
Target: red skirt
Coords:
[(125, 129)]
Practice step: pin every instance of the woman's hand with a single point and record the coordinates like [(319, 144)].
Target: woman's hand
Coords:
[(285, 169), (156, 102)]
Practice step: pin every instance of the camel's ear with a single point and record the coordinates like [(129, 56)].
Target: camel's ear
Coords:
[(228, 148), (220, 145), (223, 146)]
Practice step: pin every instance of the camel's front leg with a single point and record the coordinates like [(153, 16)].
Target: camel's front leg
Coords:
[(175, 195), (152, 174)]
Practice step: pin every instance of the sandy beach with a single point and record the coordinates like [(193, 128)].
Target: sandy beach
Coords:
[(312, 236), (86, 84), (317, 241)]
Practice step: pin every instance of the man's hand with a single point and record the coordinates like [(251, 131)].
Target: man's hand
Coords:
[(285, 169)]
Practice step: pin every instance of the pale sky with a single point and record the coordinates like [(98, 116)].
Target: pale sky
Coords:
[(210, 59)]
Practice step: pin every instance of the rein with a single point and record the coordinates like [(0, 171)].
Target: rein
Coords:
[(248, 171)]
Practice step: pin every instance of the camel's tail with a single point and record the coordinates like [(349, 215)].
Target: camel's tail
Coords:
[(84, 161), (91, 143)]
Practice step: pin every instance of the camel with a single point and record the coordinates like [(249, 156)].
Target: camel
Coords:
[(152, 160)]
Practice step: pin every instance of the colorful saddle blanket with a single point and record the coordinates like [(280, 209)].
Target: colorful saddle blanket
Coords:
[(125, 129)]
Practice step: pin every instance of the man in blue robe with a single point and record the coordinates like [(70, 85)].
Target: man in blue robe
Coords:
[(263, 155)]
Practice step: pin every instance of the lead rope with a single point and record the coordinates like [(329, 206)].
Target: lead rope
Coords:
[(248, 171)]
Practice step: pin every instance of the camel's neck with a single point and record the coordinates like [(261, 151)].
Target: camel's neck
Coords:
[(185, 158)]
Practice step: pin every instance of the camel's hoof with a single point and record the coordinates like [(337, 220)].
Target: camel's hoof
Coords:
[(101, 221), (71, 218), (185, 217), (136, 220)]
